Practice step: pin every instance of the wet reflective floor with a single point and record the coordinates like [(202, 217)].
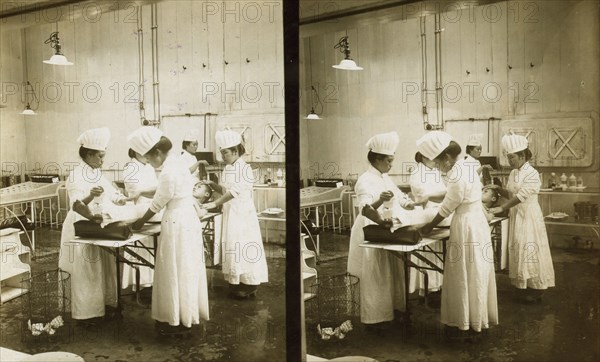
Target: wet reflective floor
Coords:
[(563, 327), (244, 330)]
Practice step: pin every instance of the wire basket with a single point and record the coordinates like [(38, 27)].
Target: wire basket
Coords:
[(337, 299), (46, 308)]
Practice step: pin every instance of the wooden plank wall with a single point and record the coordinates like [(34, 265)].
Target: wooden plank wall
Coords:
[(541, 57)]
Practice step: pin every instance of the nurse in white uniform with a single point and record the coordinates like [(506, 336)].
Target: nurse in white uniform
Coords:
[(428, 189), (469, 295), (530, 262), (93, 271), (140, 182), (180, 293), (188, 154), (381, 274), (244, 259)]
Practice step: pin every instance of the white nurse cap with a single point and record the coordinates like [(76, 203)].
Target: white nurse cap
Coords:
[(144, 138), (384, 143), (227, 139), (433, 143), (514, 143), (95, 139)]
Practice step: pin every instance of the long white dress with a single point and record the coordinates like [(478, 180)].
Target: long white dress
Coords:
[(180, 293), (530, 261), (243, 253), (425, 181), (139, 177), (188, 160), (93, 271), (469, 295), (380, 273)]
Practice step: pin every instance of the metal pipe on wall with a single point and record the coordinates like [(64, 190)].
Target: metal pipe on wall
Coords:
[(424, 72), (155, 83), (439, 105)]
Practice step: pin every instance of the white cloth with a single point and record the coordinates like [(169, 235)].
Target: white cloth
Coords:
[(180, 293), (514, 143), (381, 274), (384, 143), (243, 253), (469, 294), (191, 136), (227, 139), (530, 261), (139, 177), (425, 181), (472, 165), (144, 138), (188, 160), (95, 139), (433, 143), (93, 271)]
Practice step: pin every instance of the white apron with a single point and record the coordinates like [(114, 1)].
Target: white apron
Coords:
[(188, 160), (93, 271), (469, 295), (381, 274), (243, 253), (180, 293), (530, 261), (425, 181), (139, 177)]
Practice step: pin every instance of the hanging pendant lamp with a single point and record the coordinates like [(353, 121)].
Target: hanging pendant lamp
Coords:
[(347, 63), (58, 58)]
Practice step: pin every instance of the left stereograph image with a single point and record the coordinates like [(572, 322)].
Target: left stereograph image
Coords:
[(143, 180)]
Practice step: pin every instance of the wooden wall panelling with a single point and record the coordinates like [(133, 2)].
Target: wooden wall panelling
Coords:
[(232, 55), (252, 76), (468, 57), (553, 18), (533, 23), (184, 73), (499, 66), (452, 70), (484, 90), (200, 61), (516, 57), (589, 49), (569, 72), (168, 53)]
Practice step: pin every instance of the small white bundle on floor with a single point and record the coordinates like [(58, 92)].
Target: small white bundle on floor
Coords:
[(339, 332), (50, 328)]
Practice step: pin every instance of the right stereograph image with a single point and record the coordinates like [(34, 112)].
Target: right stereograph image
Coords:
[(449, 180)]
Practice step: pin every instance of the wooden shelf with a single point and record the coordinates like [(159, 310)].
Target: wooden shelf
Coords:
[(9, 293)]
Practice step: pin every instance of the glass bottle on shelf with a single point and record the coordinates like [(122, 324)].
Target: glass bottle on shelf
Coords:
[(563, 181), (552, 180), (572, 181), (579, 182)]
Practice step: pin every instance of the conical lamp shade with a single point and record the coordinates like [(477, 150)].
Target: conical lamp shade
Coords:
[(347, 64), (312, 115), (28, 111), (58, 59)]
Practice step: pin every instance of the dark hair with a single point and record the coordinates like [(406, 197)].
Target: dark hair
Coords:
[(495, 193), (241, 150), (164, 144), (418, 157), (85, 152), (131, 153), (469, 149), (374, 156), (453, 150), (525, 153), (185, 144)]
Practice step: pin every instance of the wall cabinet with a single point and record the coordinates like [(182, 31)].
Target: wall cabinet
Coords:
[(263, 135)]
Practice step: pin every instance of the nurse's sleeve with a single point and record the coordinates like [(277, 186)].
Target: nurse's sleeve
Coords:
[(131, 178), (164, 192), (530, 185), (77, 188), (363, 195), (455, 193), (244, 180), (417, 188)]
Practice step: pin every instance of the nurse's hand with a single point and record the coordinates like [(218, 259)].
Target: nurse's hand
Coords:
[(121, 201), (97, 218), (410, 206), (138, 224), (496, 210), (96, 191), (386, 196), (426, 230), (209, 205), (387, 223)]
